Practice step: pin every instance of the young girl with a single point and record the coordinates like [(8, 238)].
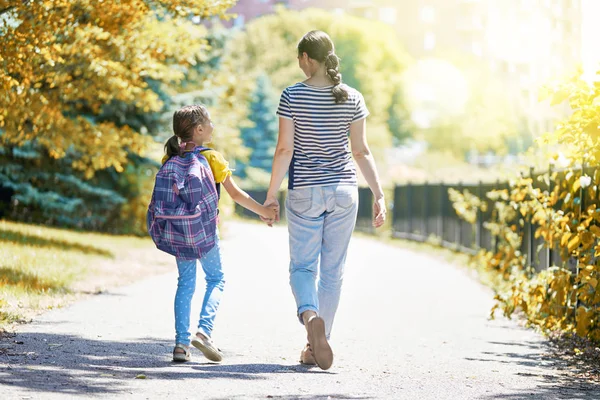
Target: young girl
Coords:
[(192, 127)]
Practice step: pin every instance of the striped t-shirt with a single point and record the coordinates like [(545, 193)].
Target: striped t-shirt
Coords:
[(322, 154)]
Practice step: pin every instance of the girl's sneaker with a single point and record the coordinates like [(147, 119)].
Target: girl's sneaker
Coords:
[(181, 353), (207, 347)]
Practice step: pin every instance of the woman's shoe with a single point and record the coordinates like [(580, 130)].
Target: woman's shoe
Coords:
[(206, 346), (318, 342), (181, 353)]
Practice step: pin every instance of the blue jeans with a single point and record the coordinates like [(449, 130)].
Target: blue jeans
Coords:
[(186, 285), (320, 223)]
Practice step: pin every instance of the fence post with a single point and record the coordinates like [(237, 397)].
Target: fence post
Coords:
[(395, 210), (458, 227), (530, 235), (425, 211), (549, 253), (443, 197), (409, 209), (496, 238), (479, 221), (581, 208), (282, 196)]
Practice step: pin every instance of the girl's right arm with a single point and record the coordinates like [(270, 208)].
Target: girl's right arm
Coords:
[(244, 200), (366, 164)]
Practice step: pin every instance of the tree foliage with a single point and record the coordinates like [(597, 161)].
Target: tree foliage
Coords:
[(84, 89), (261, 137), (213, 82), (578, 136), (399, 120), (64, 61)]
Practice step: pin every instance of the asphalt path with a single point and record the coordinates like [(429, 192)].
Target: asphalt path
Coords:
[(409, 326)]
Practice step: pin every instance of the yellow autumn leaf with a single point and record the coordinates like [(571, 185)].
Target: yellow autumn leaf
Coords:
[(574, 243), (565, 239), (584, 320)]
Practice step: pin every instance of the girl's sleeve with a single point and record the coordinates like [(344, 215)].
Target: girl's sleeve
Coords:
[(284, 110), (218, 165), (361, 111)]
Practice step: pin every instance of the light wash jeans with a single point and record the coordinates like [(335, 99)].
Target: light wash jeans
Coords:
[(186, 285), (320, 223)]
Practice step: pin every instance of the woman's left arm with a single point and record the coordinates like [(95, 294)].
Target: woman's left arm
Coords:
[(282, 159)]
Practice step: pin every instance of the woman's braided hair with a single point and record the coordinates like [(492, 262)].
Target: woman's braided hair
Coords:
[(319, 46)]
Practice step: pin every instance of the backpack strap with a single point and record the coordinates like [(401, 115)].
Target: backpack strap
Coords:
[(202, 149)]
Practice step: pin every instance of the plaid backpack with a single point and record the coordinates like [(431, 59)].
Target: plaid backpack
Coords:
[(182, 215)]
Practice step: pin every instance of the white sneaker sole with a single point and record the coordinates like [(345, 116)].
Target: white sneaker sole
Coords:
[(181, 357), (209, 351)]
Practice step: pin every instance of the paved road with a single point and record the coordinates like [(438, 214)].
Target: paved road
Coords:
[(409, 327)]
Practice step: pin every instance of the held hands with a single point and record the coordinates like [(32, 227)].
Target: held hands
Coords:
[(271, 214), (379, 212)]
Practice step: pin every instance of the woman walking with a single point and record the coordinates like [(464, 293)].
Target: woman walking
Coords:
[(322, 124)]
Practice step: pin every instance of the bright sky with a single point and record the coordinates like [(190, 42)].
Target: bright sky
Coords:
[(591, 37)]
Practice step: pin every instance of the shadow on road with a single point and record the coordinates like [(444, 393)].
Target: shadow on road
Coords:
[(71, 365), (303, 397), (224, 370), (551, 381)]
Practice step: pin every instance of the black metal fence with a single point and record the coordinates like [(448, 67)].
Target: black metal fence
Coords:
[(425, 212)]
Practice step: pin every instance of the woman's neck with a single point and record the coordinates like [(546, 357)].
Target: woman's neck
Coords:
[(319, 78)]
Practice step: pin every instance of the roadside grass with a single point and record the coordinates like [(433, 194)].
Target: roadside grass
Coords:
[(43, 268)]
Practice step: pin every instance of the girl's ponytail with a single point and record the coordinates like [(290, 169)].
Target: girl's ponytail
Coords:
[(185, 120), (172, 147)]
